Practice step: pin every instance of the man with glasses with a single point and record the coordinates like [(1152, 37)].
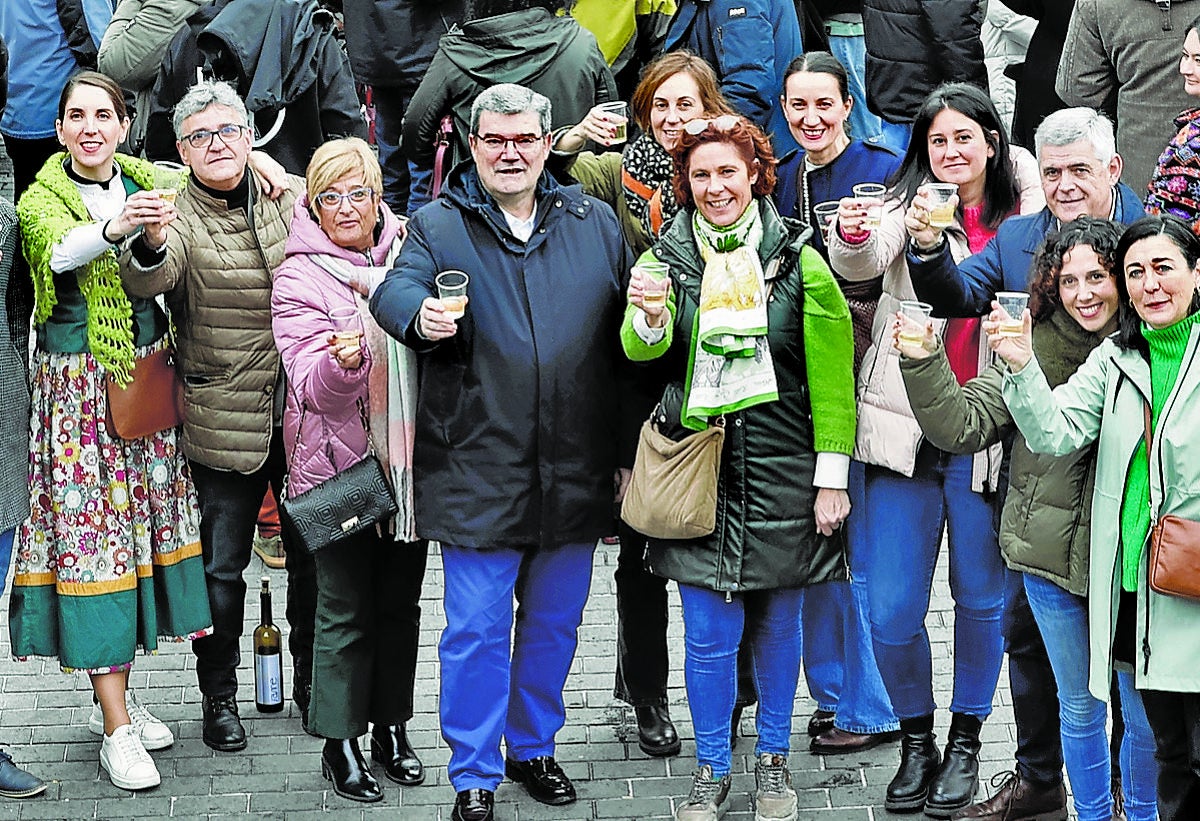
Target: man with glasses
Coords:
[(515, 435), (215, 270)]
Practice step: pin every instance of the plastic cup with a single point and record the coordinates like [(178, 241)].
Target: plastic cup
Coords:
[(825, 212), (917, 312), (452, 291), (618, 109), (941, 212), (1012, 303), (874, 193), (347, 324), (656, 283)]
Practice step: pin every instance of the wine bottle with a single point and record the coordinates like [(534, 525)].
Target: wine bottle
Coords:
[(268, 657)]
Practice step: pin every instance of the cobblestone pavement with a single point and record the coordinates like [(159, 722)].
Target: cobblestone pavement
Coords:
[(43, 717)]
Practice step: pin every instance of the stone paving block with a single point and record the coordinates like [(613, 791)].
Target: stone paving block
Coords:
[(231, 804)]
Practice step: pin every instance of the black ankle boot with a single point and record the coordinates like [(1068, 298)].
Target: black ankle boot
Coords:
[(919, 761), (342, 763), (958, 777), (390, 748)]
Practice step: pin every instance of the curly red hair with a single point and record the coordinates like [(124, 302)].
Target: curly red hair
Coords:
[(747, 139)]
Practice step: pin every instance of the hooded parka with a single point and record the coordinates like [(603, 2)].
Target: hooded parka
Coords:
[(516, 428)]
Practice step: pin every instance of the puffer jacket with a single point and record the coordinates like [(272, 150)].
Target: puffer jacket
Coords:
[(554, 56), (913, 46), (1045, 526), (888, 433), (136, 40), (16, 302), (217, 281), (321, 393), (286, 64), (1175, 186), (517, 413), (391, 42), (766, 535), (1102, 402), (1122, 57)]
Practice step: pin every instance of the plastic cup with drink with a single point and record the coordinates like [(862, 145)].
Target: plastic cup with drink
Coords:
[(916, 321), (452, 291), (941, 205), (656, 281), (347, 325), (825, 212), (871, 194), (619, 110), (1012, 303), (169, 194)]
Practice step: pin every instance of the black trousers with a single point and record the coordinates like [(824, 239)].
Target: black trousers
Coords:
[(642, 664), (28, 157), (1175, 720), (368, 631), (229, 504), (1034, 692)]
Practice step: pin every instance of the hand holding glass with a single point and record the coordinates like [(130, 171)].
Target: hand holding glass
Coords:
[(1012, 303), (870, 195), (825, 212), (655, 283), (347, 326), (452, 291), (917, 313), (941, 197), (618, 111)]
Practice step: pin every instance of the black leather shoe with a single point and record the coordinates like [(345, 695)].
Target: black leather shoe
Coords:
[(958, 778), (542, 778), (821, 721), (656, 733), (919, 760), (343, 764), (473, 805), (302, 698), (222, 727), (391, 750)]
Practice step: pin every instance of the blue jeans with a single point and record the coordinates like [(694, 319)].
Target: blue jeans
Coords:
[(6, 546), (405, 185), (1062, 619), (852, 53), (906, 518), (712, 630), (491, 689), (839, 659)]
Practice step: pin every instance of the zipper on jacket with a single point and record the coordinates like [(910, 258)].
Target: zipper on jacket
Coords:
[(1164, 6)]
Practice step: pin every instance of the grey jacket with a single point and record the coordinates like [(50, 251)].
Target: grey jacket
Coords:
[(1122, 57), (16, 301)]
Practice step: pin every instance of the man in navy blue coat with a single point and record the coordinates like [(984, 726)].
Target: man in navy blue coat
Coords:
[(749, 43), (516, 441), (1081, 171)]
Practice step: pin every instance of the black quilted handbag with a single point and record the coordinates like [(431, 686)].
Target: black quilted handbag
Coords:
[(357, 498)]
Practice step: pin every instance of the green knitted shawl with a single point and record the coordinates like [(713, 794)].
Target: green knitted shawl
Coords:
[(48, 210)]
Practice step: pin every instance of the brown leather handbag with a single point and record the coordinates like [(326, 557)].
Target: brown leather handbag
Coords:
[(1174, 568), (151, 402)]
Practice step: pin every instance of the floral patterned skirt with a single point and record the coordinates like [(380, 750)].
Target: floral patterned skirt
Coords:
[(110, 558)]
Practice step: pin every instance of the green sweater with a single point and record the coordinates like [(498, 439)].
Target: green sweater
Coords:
[(1166, 354)]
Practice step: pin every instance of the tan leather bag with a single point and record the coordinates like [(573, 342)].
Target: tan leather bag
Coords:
[(152, 402), (672, 493), (1174, 567)]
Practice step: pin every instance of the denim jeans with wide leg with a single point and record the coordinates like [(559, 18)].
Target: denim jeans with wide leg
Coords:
[(1062, 619), (906, 518), (1175, 720), (229, 505), (851, 52), (713, 628), (492, 689), (839, 658), (405, 185)]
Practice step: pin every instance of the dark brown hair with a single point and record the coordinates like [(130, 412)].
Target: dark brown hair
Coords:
[(712, 101), (96, 80), (747, 140), (1101, 235)]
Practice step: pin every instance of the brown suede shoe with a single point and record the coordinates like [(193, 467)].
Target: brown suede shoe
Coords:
[(1018, 800), (841, 742)]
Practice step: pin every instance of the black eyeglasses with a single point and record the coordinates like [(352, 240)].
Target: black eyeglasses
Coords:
[(725, 122), (329, 200), (203, 137)]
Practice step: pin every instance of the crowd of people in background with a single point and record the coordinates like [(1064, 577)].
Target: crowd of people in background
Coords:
[(837, 192)]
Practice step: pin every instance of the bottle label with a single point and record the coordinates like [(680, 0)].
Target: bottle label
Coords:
[(268, 679)]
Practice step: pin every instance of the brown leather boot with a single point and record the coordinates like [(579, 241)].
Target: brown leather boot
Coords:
[(1018, 800)]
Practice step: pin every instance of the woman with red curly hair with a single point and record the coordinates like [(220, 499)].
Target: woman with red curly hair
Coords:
[(757, 337)]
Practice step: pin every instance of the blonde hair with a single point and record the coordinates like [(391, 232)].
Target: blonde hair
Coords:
[(337, 158)]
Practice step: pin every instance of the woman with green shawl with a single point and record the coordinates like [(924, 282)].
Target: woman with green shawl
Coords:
[(109, 559), (758, 336)]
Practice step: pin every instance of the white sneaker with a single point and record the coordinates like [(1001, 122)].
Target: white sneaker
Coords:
[(774, 798), (126, 761), (153, 733)]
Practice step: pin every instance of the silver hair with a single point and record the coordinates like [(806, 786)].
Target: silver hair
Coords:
[(204, 94), (510, 98), (1072, 125)]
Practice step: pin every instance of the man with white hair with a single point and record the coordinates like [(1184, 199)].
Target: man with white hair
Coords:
[(515, 445)]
